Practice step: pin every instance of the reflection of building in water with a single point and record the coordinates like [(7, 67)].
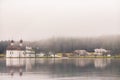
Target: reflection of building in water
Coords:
[(29, 63), (101, 63), (18, 65), (82, 62), (16, 62), (15, 65)]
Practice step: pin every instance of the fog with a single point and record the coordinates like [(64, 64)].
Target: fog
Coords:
[(41, 19)]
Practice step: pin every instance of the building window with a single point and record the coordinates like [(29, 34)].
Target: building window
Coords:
[(11, 53)]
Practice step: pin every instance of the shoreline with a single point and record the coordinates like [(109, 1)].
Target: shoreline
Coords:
[(65, 57), (117, 56)]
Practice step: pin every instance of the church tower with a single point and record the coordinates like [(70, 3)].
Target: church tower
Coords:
[(21, 42), (11, 42)]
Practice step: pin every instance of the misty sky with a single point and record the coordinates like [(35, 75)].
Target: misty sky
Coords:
[(41, 19)]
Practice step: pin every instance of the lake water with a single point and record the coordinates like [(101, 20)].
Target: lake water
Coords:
[(59, 69)]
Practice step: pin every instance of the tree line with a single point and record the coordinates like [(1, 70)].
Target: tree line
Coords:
[(63, 45)]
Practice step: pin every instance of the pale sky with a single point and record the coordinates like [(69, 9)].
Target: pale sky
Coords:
[(41, 19)]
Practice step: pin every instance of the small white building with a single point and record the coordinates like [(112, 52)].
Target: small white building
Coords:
[(55, 55), (41, 54), (101, 52), (80, 52), (29, 52)]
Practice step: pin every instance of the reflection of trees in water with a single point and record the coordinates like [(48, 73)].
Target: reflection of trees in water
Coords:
[(60, 67), (30, 63)]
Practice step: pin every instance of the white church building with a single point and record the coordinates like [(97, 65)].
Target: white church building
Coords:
[(18, 51)]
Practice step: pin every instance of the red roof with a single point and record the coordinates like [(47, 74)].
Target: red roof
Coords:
[(15, 48)]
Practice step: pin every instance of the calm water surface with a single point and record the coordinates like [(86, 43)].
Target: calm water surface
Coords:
[(59, 69)]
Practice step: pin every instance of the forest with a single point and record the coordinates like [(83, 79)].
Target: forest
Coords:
[(63, 45)]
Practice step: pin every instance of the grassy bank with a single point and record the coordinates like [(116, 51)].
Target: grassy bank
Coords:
[(95, 57), (117, 56), (2, 55), (84, 57)]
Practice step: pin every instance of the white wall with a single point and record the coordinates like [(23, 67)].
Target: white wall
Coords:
[(30, 55), (15, 53)]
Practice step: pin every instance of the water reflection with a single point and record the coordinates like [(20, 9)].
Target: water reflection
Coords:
[(82, 62), (101, 63), (60, 68), (15, 66), (31, 64)]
